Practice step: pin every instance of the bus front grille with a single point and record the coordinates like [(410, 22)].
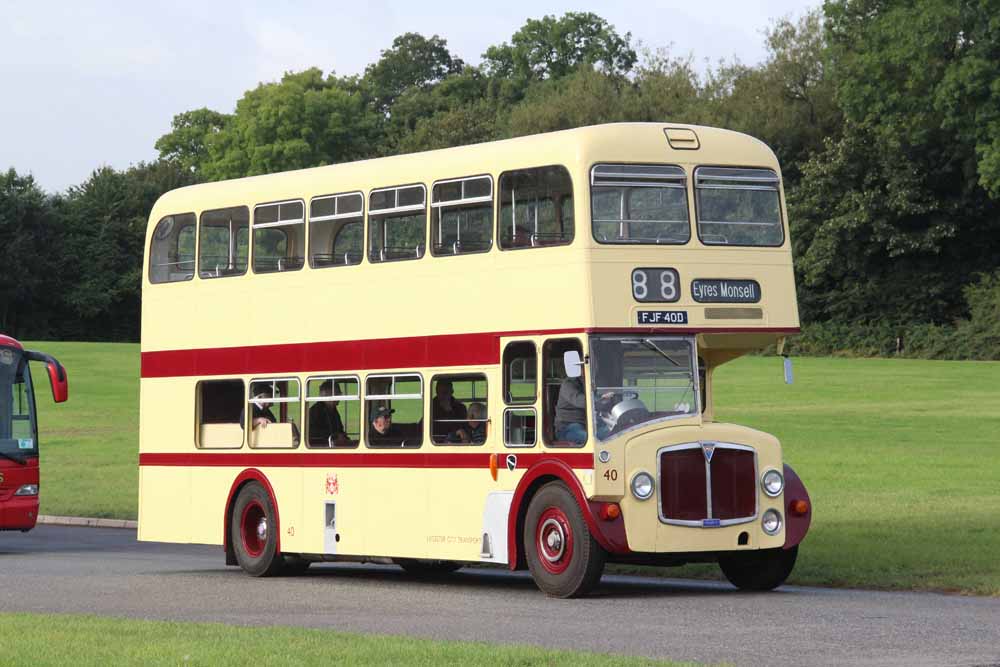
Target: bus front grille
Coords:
[(707, 484)]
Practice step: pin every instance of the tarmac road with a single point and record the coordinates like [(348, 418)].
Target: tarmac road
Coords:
[(105, 571)]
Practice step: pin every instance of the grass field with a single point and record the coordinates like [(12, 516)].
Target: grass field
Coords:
[(35, 639), (901, 458)]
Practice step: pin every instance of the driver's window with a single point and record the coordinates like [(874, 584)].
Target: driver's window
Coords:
[(564, 407), (21, 413)]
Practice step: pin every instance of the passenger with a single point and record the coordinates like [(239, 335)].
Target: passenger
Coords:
[(325, 426), (446, 412), (262, 415), (383, 431), (474, 432)]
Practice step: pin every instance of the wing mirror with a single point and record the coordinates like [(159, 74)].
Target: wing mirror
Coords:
[(573, 363)]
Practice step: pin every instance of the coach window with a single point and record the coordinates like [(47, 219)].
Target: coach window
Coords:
[(519, 427), (333, 412), (639, 203), (275, 413), (279, 237), (554, 374), (396, 220), (394, 410), (219, 410), (224, 242), (462, 216), (738, 207), (536, 208), (171, 252), (336, 230), (459, 409)]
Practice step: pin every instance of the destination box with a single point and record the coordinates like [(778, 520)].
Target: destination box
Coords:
[(719, 290)]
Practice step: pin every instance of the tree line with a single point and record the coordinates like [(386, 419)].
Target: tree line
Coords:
[(885, 116)]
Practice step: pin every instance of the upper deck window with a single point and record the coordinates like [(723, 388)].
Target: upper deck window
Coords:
[(639, 203), (738, 207), (462, 216), (171, 252), (536, 208), (396, 219), (279, 237), (224, 242), (336, 230)]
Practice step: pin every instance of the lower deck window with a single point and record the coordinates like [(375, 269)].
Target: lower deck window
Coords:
[(458, 409), (219, 414), (334, 412), (274, 413), (394, 410)]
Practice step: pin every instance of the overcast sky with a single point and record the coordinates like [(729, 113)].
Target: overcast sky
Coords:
[(83, 84)]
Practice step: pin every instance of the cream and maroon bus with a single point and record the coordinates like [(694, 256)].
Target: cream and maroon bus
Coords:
[(492, 354)]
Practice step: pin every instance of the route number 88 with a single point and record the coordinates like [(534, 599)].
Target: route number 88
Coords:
[(658, 285)]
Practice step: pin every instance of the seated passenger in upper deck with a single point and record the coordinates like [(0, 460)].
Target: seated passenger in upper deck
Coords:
[(325, 426)]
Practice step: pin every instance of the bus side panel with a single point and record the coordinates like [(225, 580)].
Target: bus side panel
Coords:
[(396, 516), (343, 488), (165, 505), (457, 499)]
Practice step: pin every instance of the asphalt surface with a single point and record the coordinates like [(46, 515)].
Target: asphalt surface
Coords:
[(105, 571)]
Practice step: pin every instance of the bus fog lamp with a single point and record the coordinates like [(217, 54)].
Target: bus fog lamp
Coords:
[(771, 522), (27, 490), (642, 485), (773, 483)]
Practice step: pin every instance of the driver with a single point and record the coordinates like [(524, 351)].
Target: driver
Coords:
[(571, 412)]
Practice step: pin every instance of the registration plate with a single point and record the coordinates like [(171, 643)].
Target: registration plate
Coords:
[(662, 317)]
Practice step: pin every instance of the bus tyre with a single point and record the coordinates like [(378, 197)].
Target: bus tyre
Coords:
[(427, 568), (564, 558), (762, 570), (254, 533)]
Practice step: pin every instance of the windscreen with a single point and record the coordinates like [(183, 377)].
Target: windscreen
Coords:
[(639, 380), (18, 438)]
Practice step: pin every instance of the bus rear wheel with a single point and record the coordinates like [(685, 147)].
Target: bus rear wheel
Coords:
[(254, 532), (762, 570), (564, 558)]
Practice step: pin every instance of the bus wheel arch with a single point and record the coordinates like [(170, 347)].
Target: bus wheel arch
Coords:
[(537, 476), (242, 480)]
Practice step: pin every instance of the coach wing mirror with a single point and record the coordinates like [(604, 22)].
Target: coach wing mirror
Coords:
[(573, 363), (57, 375)]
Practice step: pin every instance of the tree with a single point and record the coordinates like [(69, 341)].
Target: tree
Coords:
[(551, 48), (187, 141), (29, 256), (305, 120), (412, 62)]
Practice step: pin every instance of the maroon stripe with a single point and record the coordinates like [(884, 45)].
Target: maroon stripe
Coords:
[(473, 349), (360, 459)]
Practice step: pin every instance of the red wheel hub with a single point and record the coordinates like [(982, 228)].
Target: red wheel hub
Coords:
[(554, 540), (253, 528)]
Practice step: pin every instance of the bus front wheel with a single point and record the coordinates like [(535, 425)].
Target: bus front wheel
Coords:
[(762, 570), (253, 532), (564, 558)]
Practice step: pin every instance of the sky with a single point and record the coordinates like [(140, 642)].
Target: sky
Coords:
[(86, 84)]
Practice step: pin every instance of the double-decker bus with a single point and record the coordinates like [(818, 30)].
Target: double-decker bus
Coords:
[(19, 479), (501, 353)]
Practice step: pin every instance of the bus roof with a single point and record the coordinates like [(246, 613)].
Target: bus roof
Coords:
[(646, 142)]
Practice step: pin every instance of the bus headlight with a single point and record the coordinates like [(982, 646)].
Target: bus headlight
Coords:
[(773, 483), (771, 522), (642, 485), (27, 490)]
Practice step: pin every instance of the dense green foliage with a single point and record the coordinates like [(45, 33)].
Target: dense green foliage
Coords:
[(884, 113), (869, 437)]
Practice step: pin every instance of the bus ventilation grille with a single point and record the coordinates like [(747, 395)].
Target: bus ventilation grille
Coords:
[(696, 489)]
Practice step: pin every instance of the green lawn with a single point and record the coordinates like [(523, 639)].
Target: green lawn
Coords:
[(35, 639), (901, 458)]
